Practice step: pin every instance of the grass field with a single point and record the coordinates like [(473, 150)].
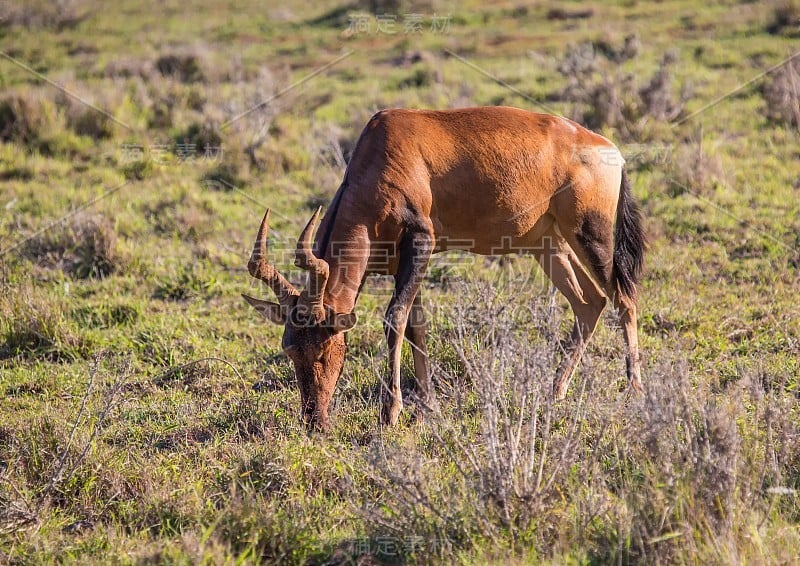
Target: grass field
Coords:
[(148, 414)]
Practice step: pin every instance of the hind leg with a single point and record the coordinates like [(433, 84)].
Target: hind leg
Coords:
[(627, 317), (593, 242), (587, 301)]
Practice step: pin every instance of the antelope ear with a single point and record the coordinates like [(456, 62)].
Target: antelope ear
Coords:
[(272, 311), (341, 322)]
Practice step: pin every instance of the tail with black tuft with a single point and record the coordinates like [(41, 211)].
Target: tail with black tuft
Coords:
[(629, 241)]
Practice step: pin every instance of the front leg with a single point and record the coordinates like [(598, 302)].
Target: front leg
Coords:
[(391, 396), (415, 251), (415, 334)]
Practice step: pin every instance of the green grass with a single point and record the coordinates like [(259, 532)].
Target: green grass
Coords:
[(148, 414)]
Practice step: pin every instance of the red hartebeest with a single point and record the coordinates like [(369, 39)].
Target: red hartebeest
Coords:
[(501, 178)]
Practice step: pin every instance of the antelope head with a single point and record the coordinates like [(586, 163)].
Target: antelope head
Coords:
[(313, 335)]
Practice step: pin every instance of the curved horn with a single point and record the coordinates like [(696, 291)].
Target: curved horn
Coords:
[(260, 268), (318, 269)]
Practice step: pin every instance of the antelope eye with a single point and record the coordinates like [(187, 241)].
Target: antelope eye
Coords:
[(299, 316), (288, 345)]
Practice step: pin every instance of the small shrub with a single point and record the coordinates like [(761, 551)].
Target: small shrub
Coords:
[(16, 173), (138, 169), (36, 14), (225, 176), (565, 14), (628, 50), (65, 143), (86, 121), (421, 77), (253, 134), (505, 483), (381, 6), (128, 67), (22, 119), (781, 94), (328, 146), (198, 139), (694, 169), (161, 112), (33, 120), (785, 16), (658, 95), (603, 97), (183, 66)]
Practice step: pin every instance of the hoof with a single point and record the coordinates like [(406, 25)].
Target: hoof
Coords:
[(635, 388), (316, 422), (318, 427), (390, 414)]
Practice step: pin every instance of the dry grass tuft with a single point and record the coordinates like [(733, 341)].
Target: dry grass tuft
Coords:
[(781, 94), (187, 64), (43, 122), (566, 14), (32, 325), (38, 14), (84, 247), (22, 119), (200, 137), (785, 17), (189, 218), (84, 120), (695, 169), (126, 67)]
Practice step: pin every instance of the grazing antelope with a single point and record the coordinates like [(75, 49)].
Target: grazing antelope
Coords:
[(500, 178)]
